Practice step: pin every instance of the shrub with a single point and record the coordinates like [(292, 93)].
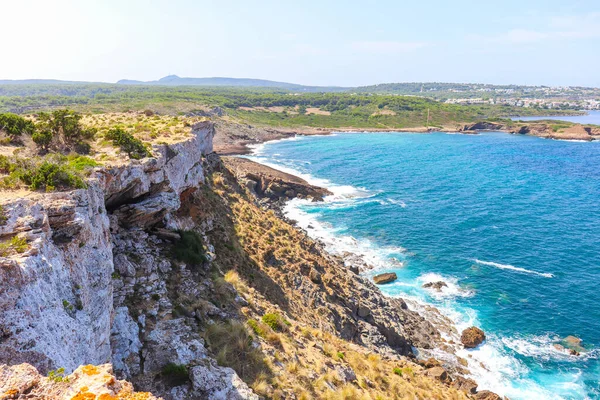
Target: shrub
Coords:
[(80, 163), (15, 125), (134, 148), (397, 371), (275, 321), (16, 245), (58, 375), (49, 173), (256, 328), (176, 374), (66, 125), (42, 139), (189, 249), (50, 176)]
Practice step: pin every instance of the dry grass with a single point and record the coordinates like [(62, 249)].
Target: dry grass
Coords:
[(301, 358)]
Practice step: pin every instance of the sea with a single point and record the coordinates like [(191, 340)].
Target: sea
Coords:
[(591, 117), (511, 223)]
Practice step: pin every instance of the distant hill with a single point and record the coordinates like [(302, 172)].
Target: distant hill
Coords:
[(174, 80)]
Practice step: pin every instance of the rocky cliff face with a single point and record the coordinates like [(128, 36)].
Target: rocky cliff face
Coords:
[(69, 299)]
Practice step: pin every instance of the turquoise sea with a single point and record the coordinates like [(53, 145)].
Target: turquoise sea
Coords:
[(511, 223), (591, 117)]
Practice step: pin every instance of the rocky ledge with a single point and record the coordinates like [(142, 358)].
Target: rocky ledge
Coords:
[(266, 182)]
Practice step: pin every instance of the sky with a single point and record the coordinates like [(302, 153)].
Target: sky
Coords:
[(325, 42)]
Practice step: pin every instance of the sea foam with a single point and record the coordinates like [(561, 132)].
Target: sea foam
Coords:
[(513, 268)]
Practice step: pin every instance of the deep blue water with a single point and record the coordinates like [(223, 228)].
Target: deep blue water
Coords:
[(592, 117), (512, 223)]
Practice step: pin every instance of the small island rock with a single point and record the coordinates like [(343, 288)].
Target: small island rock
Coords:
[(472, 337)]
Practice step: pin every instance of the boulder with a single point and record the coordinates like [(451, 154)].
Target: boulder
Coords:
[(472, 337), (363, 311), (487, 395), (314, 276), (210, 381), (429, 363), (385, 278), (466, 385), (345, 373), (435, 285), (438, 373)]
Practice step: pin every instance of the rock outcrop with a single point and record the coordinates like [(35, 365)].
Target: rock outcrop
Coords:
[(385, 278), (86, 382), (472, 337), (56, 301), (270, 183)]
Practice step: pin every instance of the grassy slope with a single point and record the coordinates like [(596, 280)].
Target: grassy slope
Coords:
[(299, 352)]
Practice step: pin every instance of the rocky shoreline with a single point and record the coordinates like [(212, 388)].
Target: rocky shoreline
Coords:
[(235, 139), (446, 366)]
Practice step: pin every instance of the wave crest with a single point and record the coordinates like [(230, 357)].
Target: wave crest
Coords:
[(513, 268)]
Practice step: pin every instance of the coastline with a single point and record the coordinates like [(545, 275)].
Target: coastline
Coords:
[(486, 363), (458, 361), (238, 139)]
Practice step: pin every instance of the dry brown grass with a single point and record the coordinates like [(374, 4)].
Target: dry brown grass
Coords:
[(303, 359)]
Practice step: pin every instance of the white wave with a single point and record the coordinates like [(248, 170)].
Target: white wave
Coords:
[(513, 268), (397, 202), (452, 289), (339, 244), (542, 347)]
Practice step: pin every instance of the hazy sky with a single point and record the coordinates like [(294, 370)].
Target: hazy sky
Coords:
[(553, 42)]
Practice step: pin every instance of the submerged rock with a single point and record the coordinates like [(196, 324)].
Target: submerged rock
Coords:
[(435, 285), (385, 278), (570, 345), (472, 337)]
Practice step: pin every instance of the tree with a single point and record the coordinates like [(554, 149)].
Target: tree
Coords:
[(63, 125), (43, 139)]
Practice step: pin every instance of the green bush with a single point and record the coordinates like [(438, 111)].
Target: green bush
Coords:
[(15, 125), (50, 176), (48, 173), (189, 249), (256, 328), (42, 139), (15, 245), (64, 125), (275, 321), (134, 148), (81, 163), (176, 374)]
